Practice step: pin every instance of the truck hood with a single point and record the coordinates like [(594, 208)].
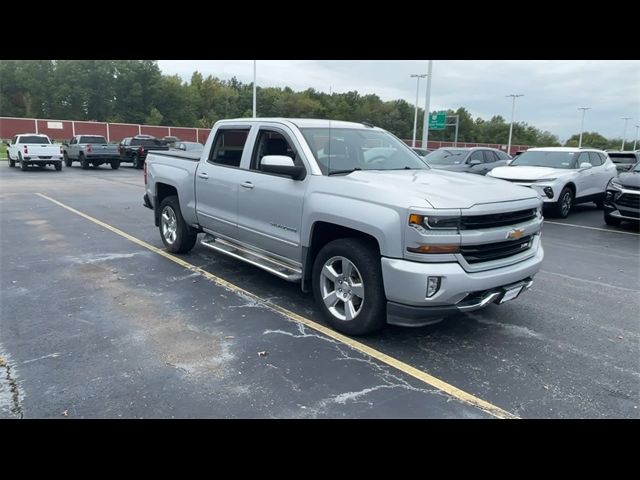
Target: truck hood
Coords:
[(528, 173), (443, 189)]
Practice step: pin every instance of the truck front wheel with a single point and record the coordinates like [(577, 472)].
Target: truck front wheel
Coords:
[(175, 233), (348, 286)]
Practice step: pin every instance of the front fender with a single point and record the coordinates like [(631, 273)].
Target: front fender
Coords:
[(382, 222)]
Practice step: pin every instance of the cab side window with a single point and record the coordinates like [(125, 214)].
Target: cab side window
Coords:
[(582, 158), (272, 142), (228, 146)]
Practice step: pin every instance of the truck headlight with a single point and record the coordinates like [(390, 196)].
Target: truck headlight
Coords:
[(435, 222), (614, 184)]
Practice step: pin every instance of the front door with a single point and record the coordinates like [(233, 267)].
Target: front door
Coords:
[(270, 205), (217, 181)]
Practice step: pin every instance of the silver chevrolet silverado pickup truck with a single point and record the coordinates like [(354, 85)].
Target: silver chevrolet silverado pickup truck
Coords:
[(350, 212)]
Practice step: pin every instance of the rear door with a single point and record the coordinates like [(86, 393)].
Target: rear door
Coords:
[(601, 175), (218, 178), (270, 205)]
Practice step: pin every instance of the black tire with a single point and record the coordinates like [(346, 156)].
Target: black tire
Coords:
[(58, 166), (84, 163), (67, 160), (136, 161), (364, 256), (613, 221), (563, 206), (599, 203), (12, 163), (185, 237), (115, 164), (23, 165)]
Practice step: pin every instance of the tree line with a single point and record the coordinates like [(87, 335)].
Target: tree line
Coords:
[(136, 91)]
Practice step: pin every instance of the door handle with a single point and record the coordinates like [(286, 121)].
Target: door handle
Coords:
[(203, 175), (248, 185)]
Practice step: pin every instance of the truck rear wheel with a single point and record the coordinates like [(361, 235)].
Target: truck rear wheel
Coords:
[(83, 162), (175, 233), (136, 161), (12, 163), (115, 164), (23, 165), (67, 160), (348, 286), (58, 166)]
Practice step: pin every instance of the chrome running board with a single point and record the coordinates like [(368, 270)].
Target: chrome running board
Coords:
[(279, 268)]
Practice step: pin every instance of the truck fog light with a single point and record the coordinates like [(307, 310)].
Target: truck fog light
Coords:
[(433, 285), (548, 191), (608, 197)]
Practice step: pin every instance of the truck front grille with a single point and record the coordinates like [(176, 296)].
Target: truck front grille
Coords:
[(628, 200), (495, 251), (497, 219)]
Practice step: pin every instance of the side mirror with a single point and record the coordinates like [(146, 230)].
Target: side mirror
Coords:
[(65, 144), (509, 161), (282, 165), (474, 162), (585, 165)]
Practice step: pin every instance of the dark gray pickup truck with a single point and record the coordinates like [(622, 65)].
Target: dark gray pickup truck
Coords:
[(90, 150)]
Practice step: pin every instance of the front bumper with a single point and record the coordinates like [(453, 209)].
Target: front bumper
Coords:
[(622, 203), (405, 284)]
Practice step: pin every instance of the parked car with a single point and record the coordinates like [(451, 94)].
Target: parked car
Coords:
[(423, 152), (624, 161), (189, 146), (479, 160), (563, 176), (170, 140), (376, 234), (90, 150), (622, 200), (134, 149), (34, 149)]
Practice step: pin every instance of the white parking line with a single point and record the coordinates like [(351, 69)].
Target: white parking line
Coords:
[(592, 228)]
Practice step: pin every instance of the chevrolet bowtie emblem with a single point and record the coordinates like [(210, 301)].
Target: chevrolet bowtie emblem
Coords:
[(515, 234)]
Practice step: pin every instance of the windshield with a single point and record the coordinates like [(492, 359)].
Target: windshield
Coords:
[(446, 157), (34, 139), (545, 159), (338, 149), (637, 167)]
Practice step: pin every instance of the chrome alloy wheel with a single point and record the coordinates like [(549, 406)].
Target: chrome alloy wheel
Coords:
[(566, 204), (169, 224), (342, 288)]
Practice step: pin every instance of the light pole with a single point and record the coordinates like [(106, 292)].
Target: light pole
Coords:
[(513, 111), (254, 89), (427, 101), (415, 116), (635, 142), (584, 110), (626, 119)]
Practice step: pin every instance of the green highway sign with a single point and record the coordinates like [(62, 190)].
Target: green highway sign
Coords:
[(437, 120)]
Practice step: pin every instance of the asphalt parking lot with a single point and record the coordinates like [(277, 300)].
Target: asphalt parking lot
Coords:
[(95, 324)]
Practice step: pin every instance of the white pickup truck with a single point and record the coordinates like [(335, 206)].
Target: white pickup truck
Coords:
[(34, 149)]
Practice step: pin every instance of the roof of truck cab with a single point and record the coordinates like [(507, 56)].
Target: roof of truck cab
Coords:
[(302, 122)]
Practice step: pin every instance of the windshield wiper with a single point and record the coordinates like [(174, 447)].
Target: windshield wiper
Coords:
[(346, 170)]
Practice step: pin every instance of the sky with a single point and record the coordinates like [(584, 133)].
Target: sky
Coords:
[(553, 90)]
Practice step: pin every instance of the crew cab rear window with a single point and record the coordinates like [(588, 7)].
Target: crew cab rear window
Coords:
[(92, 139), (147, 142), (33, 139), (228, 146)]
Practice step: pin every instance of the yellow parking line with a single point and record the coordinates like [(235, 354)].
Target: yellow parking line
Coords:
[(354, 344)]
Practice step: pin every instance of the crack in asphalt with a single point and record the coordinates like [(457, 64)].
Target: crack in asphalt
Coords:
[(14, 389)]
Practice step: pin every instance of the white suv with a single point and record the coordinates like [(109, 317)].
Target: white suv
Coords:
[(562, 176)]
